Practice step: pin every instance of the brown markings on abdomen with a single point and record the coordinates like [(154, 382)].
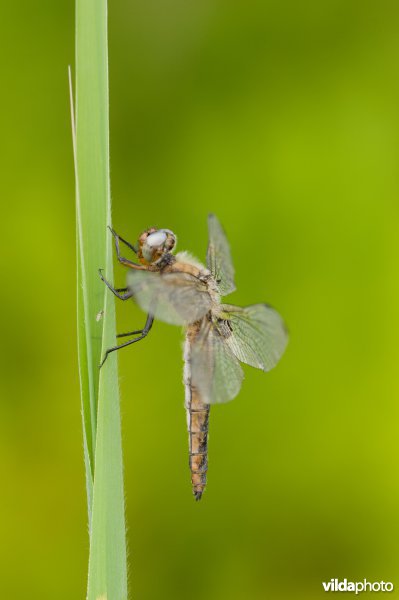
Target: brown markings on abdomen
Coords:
[(197, 421)]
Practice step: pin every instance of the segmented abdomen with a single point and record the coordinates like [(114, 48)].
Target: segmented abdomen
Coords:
[(197, 421)]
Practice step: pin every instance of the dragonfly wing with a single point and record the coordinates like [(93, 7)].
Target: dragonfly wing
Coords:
[(175, 298), (219, 258), (215, 371), (258, 336)]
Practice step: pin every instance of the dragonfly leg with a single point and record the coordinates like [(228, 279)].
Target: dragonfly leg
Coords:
[(137, 332), (116, 291), (143, 333), (145, 330), (122, 240), (124, 261)]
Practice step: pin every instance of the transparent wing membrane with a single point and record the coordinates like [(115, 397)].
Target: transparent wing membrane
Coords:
[(255, 334), (219, 258), (175, 298), (215, 371)]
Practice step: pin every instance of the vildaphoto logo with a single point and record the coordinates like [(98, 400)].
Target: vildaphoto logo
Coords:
[(334, 585)]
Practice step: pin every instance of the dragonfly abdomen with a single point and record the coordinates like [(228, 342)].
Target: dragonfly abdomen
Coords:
[(197, 424), (198, 420)]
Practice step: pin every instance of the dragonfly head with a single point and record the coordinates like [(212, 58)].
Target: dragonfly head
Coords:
[(153, 244)]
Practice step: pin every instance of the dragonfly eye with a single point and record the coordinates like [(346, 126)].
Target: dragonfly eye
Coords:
[(157, 239), (154, 244), (171, 240)]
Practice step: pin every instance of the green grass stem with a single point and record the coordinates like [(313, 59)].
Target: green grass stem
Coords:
[(107, 578)]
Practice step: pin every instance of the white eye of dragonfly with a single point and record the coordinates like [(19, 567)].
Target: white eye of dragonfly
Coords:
[(156, 239), (156, 244)]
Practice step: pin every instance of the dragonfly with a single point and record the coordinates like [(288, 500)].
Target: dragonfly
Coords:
[(180, 290)]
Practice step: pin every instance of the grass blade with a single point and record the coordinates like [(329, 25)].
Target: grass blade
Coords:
[(99, 389)]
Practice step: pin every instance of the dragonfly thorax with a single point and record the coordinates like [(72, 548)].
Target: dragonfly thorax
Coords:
[(153, 244)]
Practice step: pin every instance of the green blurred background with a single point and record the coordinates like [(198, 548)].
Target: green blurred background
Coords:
[(283, 119)]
